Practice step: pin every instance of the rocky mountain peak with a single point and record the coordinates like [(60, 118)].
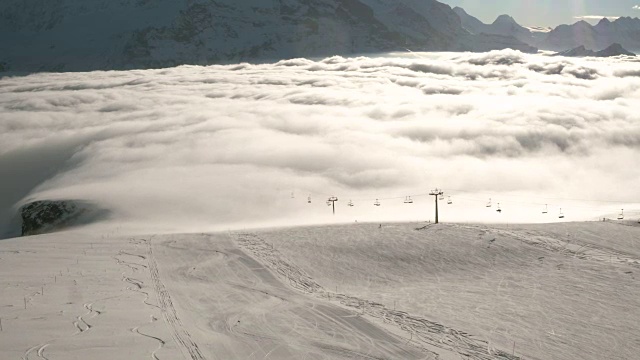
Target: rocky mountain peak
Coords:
[(581, 51), (582, 24), (505, 19), (615, 49), (459, 10)]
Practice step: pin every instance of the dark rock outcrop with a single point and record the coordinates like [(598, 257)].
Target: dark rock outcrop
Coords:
[(46, 216), (614, 50)]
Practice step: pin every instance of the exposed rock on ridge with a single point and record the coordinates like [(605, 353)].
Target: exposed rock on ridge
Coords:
[(45, 216)]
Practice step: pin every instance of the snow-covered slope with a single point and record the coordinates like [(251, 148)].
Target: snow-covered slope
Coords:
[(539, 29), (99, 34), (564, 291), (403, 291)]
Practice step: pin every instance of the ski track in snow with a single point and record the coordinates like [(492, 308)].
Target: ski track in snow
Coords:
[(79, 323), (423, 332), (178, 331), (137, 287), (161, 342), (39, 350)]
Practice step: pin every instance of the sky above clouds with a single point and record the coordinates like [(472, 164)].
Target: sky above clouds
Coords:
[(197, 148), (548, 12)]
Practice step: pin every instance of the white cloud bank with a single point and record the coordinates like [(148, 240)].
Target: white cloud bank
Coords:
[(193, 148), (596, 17), (636, 7)]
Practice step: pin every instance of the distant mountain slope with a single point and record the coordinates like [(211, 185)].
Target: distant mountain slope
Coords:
[(504, 25), (64, 35), (624, 31)]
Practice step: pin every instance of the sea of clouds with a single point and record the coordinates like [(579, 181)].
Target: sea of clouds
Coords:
[(195, 148)]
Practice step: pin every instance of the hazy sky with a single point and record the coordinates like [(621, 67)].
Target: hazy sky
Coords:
[(546, 12)]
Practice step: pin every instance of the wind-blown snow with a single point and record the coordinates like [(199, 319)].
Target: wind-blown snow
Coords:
[(220, 146)]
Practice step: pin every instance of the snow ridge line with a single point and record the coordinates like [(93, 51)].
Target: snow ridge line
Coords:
[(584, 252), (179, 333), (423, 331)]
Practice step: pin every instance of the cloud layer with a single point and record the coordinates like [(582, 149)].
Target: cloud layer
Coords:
[(227, 145), (596, 17)]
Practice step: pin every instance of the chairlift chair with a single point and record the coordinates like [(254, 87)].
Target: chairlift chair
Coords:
[(449, 200), (292, 195), (498, 209), (489, 203), (408, 200), (350, 203), (441, 196), (328, 203), (561, 216), (377, 203), (309, 199), (546, 209), (621, 215)]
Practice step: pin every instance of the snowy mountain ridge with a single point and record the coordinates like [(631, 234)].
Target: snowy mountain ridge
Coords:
[(73, 35)]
